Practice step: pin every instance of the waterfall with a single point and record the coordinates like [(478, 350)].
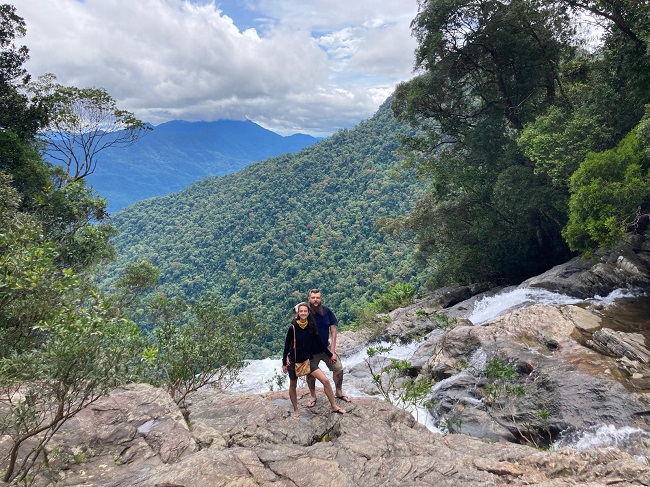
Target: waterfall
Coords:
[(603, 436), (488, 308), (259, 376)]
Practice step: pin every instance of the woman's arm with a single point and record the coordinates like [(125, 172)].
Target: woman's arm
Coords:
[(288, 345)]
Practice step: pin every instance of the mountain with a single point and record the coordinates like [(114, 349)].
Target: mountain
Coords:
[(263, 236), (178, 153)]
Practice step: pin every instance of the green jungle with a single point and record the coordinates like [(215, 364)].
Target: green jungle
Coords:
[(519, 143), (262, 237)]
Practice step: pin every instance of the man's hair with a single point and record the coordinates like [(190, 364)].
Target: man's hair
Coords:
[(313, 291)]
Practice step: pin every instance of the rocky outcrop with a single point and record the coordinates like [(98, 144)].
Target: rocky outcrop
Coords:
[(578, 367), (536, 375), (572, 385), (252, 440), (627, 265)]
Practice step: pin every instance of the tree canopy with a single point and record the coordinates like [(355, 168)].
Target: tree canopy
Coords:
[(509, 101)]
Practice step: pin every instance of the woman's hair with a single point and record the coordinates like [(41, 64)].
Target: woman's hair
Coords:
[(295, 308)]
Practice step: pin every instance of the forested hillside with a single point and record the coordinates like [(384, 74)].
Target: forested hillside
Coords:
[(532, 141), (261, 237), (176, 154)]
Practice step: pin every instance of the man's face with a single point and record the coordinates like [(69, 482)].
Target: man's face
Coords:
[(315, 299)]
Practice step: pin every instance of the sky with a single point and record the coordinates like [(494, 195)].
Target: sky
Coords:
[(291, 66)]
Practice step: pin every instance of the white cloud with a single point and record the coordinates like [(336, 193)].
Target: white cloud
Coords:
[(294, 67)]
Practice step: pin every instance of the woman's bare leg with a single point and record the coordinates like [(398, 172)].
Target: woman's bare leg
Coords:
[(293, 395), (327, 387)]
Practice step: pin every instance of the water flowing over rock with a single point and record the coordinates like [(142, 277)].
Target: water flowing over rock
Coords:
[(625, 266), (578, 366), (574, 385), (536, 374)]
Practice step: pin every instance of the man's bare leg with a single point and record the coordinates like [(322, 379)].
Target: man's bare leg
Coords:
[(337, 376)]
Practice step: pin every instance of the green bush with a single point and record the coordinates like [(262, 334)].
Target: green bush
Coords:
[(609, 191)]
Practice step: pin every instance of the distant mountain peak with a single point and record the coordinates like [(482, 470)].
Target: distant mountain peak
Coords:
[(178, 153)]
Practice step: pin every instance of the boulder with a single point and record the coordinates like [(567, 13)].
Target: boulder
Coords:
[(256, 442), (624, 266)]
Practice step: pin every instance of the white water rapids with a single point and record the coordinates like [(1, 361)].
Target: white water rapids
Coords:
[(260, 375)]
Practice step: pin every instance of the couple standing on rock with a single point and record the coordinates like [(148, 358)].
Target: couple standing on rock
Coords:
[(311, 327)]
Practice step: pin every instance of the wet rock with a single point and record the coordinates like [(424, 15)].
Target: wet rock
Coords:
[(553, 388), (425, 315), (625, 266)]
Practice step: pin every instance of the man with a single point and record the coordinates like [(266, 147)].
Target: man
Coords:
[(326, 322)]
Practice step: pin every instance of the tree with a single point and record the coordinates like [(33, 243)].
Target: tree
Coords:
[(630, 17), (30, 282), (17, 113), (484, 55), (487, 69), (63, 347), (136, 279), (197, 345), (610, 195), (558, 140), (20, 117), (84, 122), (84, 353)]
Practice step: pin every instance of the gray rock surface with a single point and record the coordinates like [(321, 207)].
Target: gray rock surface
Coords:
[(557, 371), (627, 265), (252, 440)]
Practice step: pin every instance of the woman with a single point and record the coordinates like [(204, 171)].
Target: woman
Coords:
[(308, 343)]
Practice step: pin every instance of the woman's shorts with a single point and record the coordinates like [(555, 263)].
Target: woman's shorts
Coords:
[(291, 369)]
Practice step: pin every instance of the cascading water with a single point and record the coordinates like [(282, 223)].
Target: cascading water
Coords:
[(488, 308), (603, 436), (259, 375), (262, 375)]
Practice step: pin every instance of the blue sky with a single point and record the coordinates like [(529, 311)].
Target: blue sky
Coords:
[(289, 65)]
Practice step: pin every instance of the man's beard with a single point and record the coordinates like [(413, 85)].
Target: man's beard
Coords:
[(317, 309)]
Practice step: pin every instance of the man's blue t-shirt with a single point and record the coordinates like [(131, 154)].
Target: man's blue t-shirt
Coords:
[(323, 323)]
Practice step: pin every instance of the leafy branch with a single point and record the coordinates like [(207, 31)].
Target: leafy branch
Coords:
[(394, 381)]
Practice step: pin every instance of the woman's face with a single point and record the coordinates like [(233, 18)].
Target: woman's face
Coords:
[(303, 312)]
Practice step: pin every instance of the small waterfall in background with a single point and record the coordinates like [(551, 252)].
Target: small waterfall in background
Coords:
[(260, 376), (488, 308), (604, 436)]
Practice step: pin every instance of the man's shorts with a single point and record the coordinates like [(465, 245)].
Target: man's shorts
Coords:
[(335, 367)]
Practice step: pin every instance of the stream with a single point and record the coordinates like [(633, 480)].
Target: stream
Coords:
[(622, 310)]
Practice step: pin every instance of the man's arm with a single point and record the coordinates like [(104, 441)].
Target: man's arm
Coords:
[(333, 341)]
